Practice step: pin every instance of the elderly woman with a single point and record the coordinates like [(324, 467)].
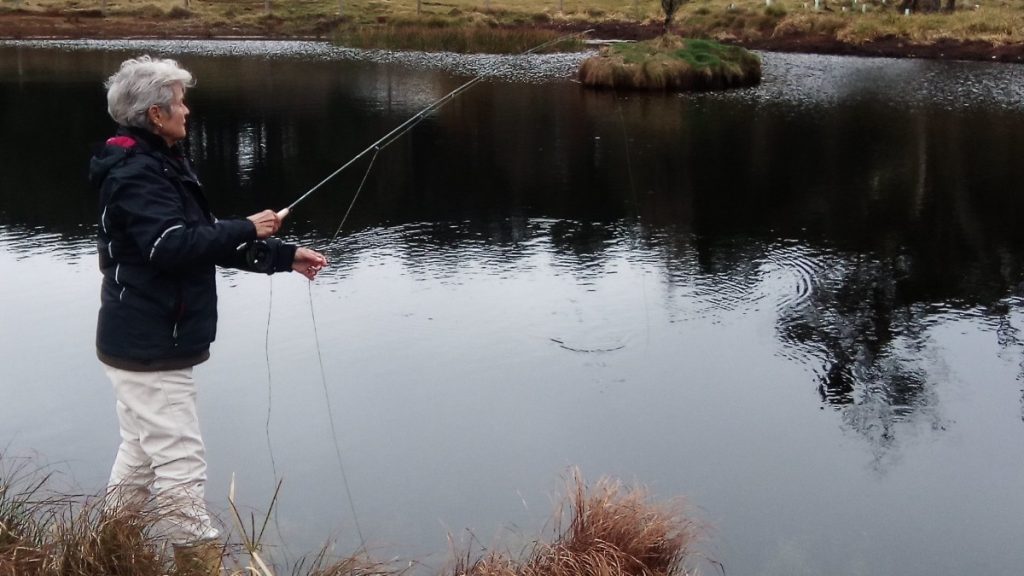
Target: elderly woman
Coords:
[(158, 246)]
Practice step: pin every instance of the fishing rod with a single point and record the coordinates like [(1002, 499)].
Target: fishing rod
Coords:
[(404, 127), (376, 147)]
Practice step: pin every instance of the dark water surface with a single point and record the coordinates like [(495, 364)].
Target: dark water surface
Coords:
[(797, 305)]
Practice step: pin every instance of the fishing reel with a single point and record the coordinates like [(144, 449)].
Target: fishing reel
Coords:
[(259, 256)]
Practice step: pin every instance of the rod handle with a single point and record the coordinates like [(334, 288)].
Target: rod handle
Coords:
[(283, 213)]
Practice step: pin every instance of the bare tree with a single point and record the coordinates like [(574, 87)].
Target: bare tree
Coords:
[(669, 7)]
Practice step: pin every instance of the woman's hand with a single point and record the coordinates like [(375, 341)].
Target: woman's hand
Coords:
[(308, 262), (267, 223)]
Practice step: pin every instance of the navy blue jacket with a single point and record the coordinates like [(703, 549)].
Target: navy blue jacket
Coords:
[(159, 245)]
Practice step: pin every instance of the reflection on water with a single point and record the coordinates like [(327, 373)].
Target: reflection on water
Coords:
[(520, 68), (798, 304)]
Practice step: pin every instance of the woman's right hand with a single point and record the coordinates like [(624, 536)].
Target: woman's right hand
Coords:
[(267, 223)]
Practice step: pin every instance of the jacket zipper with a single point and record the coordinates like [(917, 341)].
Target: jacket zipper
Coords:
[(177, 318)]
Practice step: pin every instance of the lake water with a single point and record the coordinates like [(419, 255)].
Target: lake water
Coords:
[(798, 306)]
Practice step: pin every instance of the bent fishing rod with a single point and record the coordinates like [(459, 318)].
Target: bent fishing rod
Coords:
[(404, 127)]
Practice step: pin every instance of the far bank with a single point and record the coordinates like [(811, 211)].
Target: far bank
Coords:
[(848, 27)]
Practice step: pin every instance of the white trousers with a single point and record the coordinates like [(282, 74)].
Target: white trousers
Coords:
[(161, 453)]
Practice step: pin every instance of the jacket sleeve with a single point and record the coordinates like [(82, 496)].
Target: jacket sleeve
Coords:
[(266, 256), (154, 219)]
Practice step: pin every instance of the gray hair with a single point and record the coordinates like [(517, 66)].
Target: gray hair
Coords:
[(141, 83)]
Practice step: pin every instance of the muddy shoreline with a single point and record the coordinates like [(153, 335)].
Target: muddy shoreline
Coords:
[(92, 25)]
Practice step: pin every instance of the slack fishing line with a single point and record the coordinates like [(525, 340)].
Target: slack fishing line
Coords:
[(636, 209), (376, 148)]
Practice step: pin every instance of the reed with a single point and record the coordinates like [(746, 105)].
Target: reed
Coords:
[(611, 531), (89, 541), (324, 564), (22, 535), (607, 530), (47, 534)]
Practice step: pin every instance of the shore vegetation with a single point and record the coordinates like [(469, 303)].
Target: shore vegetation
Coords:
[(603, 530), (975, 29)]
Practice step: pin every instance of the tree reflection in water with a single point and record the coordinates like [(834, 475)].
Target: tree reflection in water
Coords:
[(888, 216)]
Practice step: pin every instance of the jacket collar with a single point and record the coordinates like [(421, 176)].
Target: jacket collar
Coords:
[(150, 141)]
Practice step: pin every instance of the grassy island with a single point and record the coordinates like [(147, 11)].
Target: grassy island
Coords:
[(671, 63)]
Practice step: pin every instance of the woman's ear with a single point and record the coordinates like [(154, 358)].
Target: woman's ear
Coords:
[(155, 115)]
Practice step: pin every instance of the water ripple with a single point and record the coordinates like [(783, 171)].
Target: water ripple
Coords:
[(810, 81), (791, 274), (25, 242)]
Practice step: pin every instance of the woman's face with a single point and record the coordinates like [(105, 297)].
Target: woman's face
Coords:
[(171, 126)]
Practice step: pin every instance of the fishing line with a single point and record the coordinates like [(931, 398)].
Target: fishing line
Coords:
[(356, 195), (404, 127), (323, 372), (629, 162), (636, 209), (270, 390), (375, 147), (330, 415), (270, 395)]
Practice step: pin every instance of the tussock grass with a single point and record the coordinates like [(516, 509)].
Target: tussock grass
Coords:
[(607, 530), (21, 535), (809, 23), (996, 23), (612, 531), (47, 534), (982, 25), (671, 63), (87, 541)]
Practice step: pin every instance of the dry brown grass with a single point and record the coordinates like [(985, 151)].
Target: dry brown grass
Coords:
[(998, 23), (47, 534), (89, 542), (607, 530), (612, 531)]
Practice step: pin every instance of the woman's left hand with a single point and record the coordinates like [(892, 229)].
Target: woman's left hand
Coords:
[(308, 262)]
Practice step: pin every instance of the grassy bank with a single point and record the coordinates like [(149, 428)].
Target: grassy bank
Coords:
[(606, 530), (834, 25)]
